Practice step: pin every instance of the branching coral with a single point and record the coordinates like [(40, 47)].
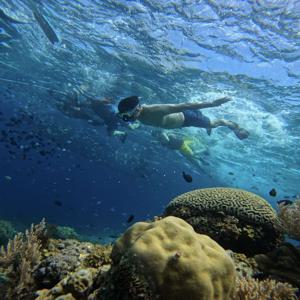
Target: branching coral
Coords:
[(248, 288), (289, 215), (18, 260)]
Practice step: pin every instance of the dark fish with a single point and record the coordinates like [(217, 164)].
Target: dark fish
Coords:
[(230, 173), (113, 236), (285, 202), (57, 202), (45, 26), (273, 193), (187, 177), (130, 218)]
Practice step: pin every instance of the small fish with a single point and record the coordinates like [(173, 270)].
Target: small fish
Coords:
[(130, 218), (230, 173), (7, 177), (58, 203), (113, 236), (284, 202), (273, 193), (187, 177)]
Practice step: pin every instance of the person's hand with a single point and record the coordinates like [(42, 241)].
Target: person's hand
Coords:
[(222, 100), (106, 101), (134, 125)]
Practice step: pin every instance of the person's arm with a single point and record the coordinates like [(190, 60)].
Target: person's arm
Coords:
[(164, 139), (176, 108)]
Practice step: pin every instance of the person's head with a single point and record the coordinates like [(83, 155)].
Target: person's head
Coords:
[(129, 108)]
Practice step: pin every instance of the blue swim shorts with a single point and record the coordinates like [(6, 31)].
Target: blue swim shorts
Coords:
[(195, 118)]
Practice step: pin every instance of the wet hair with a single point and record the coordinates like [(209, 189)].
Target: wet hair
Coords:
[(127, 104)]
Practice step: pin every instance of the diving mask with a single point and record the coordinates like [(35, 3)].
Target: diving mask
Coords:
[(129, 116)]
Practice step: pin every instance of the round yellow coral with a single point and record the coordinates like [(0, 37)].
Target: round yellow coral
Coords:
[(174, 261)]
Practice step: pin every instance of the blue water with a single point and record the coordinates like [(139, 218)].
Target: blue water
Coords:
[(165, 52)]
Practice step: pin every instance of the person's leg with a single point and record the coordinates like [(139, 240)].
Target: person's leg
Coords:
[(240, 132), (194, 118)]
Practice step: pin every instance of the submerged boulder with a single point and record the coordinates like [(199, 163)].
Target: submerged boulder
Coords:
[(238, 220)]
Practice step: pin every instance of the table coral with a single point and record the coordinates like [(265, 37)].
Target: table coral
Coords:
[(237, 219), (167, 259)]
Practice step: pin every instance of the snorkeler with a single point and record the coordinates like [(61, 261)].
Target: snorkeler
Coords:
[(184, 144), (97, 112), (171, 116), (108, 112)]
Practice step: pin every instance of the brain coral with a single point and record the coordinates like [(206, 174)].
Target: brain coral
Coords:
[(237, 219), (167, 259)]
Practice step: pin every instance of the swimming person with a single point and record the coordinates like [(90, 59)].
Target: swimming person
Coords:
[(96, 112), (171, 116), (108, 112), (191, 148)]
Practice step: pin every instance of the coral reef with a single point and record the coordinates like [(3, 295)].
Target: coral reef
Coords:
[(248, 288), (164, 259), (7, 232), (236, 219), (60, 269), (167, 259), (61, 258), (282, 263), (289, 216), (61, 232), (18, 261), (244, 266), (76, 285)]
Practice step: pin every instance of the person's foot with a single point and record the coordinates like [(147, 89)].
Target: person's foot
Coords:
[(208, 131), (241, 133)]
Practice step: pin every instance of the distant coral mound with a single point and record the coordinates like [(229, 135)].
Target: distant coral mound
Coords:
[(289, 215), (167, 259), (237, 219), (7, 231)]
